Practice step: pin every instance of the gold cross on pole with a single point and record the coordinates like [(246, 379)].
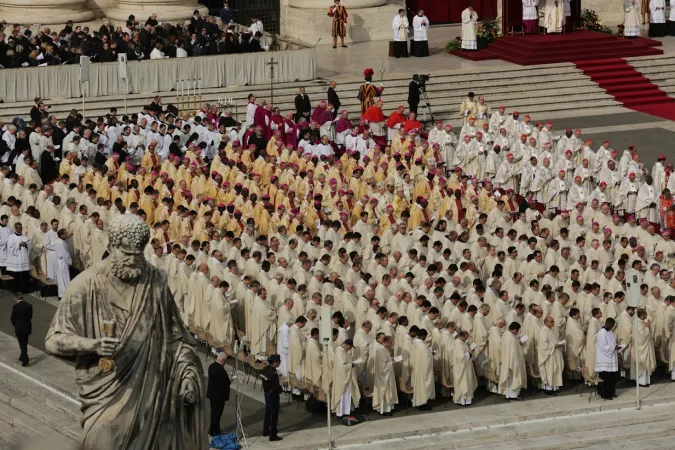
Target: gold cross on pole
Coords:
[(272, 63)]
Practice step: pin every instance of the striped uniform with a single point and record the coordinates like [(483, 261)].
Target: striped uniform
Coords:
[(339, 15)]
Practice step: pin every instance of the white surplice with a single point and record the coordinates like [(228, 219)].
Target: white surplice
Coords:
[(469, 19), (421, 28), (530, 9)]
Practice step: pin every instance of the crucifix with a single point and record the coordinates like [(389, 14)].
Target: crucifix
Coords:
[(272, 63)]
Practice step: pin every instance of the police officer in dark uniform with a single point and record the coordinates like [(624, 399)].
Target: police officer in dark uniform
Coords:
[(272, 388)]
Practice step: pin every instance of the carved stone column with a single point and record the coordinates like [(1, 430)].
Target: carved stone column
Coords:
[(167, 10), (29, 12)]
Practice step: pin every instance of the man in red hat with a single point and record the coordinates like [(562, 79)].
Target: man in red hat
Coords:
[(497, 120), (469, 128), (558, 193), (527, 175), (628, 192), (368, 92), (603, 154), (395, 122), (545, 135)]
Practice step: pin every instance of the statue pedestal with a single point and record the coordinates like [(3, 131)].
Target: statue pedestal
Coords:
[(363, 24), (170, 10), (46, 13)]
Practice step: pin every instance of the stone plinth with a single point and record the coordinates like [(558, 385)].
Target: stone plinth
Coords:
[(46, 13), (356, 4), (167, 10), (363, 24), (610, 12)]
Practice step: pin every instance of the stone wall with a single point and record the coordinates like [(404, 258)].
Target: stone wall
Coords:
[(363, 24), (610, 12)]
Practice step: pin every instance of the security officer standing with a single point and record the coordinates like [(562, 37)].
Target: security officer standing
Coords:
[(272, 388)]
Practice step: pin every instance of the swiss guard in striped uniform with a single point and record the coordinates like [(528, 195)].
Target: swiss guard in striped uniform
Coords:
[(339, 15), (368, 92)]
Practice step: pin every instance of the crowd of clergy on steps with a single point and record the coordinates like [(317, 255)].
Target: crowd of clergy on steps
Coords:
[(449, 261)]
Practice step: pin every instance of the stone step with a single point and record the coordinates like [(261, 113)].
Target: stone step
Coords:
[(30, 407), (319, 86), (450, 86), (13, 385), (559, 92), (32, 427), (317, 91), (662, 442), (9, 434), (559, 433), (52, 418)]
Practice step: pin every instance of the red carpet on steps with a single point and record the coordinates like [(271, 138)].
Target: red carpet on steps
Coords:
[(556, 48), (628, 86)]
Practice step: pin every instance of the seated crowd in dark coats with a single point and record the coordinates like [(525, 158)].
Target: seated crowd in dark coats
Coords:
[(19, 47)]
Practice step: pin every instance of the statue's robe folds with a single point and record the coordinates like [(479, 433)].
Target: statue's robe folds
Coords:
[(141, 404)]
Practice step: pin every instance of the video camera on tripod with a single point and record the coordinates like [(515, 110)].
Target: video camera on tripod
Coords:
[(421, 81)]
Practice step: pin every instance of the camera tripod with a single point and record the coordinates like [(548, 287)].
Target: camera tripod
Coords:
[(425, 97)]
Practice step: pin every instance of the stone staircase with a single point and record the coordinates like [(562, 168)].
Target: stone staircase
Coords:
[(659, 69), (628, 428), (537, 90), (32, 416)]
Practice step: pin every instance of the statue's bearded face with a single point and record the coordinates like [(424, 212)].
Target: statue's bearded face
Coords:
[(127, 266)]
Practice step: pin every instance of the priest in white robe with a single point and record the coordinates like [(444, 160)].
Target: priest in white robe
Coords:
[(63, 262), (385, 396), (647, 202), (554, 16), (657, 18), (422, 368), (530, 16), (420, 45), (607, 360), (263, 328), (469, 20), (550, 357), (575, 342), (643, 351), (345, 391), (313, 364), (18, 259), (513, 372), (631, 21), (400, 27), (221, 327), (463, 374)]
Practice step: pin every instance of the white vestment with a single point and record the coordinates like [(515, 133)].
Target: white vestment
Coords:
[(554, 16), (530, 9), (469, 19)]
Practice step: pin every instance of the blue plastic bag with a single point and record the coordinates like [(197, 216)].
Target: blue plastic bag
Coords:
[(225, 442)]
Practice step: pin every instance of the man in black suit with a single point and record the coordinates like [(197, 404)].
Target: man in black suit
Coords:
[(333, 98), (303, 108), (414, 94), (48, 169), (22, 315), (218, 392)]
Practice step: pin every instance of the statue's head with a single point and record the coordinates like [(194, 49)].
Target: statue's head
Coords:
[(128, 236)]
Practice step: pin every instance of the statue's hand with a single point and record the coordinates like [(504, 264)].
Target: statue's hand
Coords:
[(106, 346)]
